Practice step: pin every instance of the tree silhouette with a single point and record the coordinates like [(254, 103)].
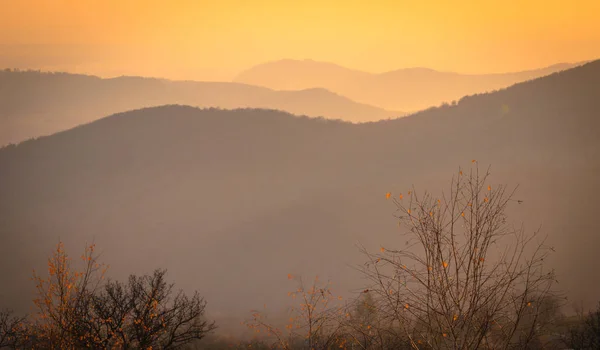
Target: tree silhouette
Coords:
[(12, 329), (77, 309), (466, 278)]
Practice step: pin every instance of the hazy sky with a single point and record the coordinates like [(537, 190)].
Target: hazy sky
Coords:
[(214, 40)]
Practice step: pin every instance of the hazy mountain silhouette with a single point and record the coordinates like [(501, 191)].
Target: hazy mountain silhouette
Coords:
[(409, 89), (34, 104), (231, 201)]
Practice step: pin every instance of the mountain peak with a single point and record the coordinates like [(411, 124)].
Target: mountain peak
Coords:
[(407, 89)]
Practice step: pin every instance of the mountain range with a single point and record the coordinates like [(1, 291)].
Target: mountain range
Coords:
[(34, 104), (409, 89), (231, 201)]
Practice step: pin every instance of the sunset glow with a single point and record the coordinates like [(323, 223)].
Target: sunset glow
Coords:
[(215, 40)]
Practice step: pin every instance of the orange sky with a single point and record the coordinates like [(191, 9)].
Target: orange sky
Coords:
[(214, 40)]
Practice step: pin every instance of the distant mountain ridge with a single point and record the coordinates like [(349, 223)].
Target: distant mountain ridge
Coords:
[(231, 201), (409, 89), (34, 104)]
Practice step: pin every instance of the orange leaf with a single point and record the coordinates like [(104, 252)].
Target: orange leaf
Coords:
[(445, 264), (400, 196), (388, 195), (290, 276), (382, 249)]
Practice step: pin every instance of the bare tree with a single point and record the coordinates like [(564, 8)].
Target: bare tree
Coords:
[(466, 278), (361, 321), (584, 333), (12, 329), (78, 309), (366, 329), (313, 324), (146, 313), (62, 299)]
